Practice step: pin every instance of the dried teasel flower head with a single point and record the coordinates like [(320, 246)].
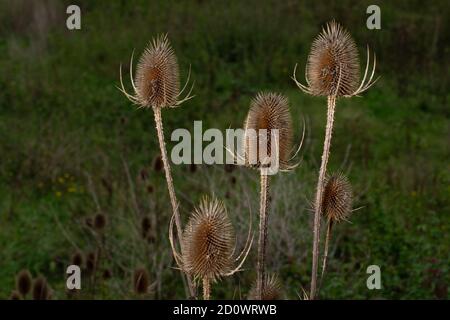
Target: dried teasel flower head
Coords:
[(141, 281), (77, 258), (100, 221), (15, 295), (41, 291), (23, 282), (270, 112), (337, 198), (333, 65), (272, 289), (208, 241), (157, 83)]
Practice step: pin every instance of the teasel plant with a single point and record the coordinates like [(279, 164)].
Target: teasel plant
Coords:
[(267, 135), (333, 71), (209, 245), (336, 207), (157, 86), (272, 289)]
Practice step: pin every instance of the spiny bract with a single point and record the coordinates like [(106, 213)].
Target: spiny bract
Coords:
[(333, 64), (208, 241), (269, 111)]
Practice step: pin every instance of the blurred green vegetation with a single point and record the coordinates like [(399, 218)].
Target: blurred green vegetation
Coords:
[(65, 130)]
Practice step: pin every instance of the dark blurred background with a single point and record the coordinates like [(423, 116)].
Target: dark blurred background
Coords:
[(72, 146)]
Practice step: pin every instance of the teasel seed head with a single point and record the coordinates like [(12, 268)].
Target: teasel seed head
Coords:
[(91, 261), (15, 295), (272, 289), (157, 77), (41, 291), (208, 241), (158, 163), (337, 198), (77, 258), (23, 282), (333, 55), (145, 226), (100, 221), (268, 111), (141, 281), (107, 274)]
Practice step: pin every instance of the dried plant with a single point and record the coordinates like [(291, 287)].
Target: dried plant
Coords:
[(157, 86), (15, 295), (209, 245), (23, 282), (141, 281), (270, 112), (77, 258), (272, 289), (41, 291), (333, 71), (336, 206)]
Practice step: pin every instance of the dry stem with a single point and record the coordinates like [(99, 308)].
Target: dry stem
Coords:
[(262, 243), (320, 186), (206, 289), (173, 199)]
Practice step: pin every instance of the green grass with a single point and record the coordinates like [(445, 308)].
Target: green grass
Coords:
[(66, 132)]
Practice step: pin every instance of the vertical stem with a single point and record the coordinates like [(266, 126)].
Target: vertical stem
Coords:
[(319, 192), (327, 242), (173, 199), (262, 243), (206, 289)]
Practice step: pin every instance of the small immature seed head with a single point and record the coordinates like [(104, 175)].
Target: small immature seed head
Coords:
[(91, 261), (145, 226), (158, 164), (41, 290), (100, 221), (23, 282), (208, 241), (268, 111), (157, 78), (141, 281), (337, 198), (77, 258), (272, 289), (333, 63)]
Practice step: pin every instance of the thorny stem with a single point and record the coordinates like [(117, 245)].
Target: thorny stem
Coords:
[(206, 289), (262, 243), (173, 199), (320, 185)]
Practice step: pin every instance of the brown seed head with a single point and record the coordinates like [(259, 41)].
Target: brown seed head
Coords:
[(145, 226), (272, 289), (23, 282), (41, 290), (77, 258), (208, 241), (337, 198), (157, 78), (91, 261), (333, 61), (158, 164), (100, 221), (141, 281), (269, 111)]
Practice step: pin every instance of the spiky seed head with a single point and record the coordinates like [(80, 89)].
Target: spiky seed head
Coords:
[(157, 78), (77, 258), (337, 198), (41, 290), (15, 295), (100, 221), (107, 274), (208, 241), (272, 289), (269, 111), (141, 281), (23, 282), (333, 55), (158, 164)]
